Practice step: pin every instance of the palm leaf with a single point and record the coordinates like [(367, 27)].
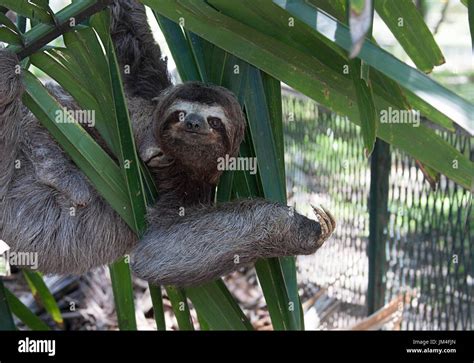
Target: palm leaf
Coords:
[(180, 307), (411, 32), (70, 16), (157, 301), (22, 312), (30, 10), (447, 102), (42, 294), (6, 318), (9, 32), (285, 311), (216, 305), (123, 294)]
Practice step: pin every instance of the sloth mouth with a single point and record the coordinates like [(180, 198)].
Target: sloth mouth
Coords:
[(153, 155), (158, 159), (152, 160), (196, 132)]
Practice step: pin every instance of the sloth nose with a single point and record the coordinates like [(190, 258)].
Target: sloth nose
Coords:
[(194, 122)]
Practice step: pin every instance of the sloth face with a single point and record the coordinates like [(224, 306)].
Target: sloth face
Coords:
[(197, 124)]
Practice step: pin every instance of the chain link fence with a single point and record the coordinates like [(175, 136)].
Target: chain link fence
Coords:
[(429, 257)]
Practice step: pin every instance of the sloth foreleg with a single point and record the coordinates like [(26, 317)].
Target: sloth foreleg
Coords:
[(208, 242)]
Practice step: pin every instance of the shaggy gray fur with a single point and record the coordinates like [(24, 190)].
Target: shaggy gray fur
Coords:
[(136, 48), (178, 249), (35, 210), (10, 90)]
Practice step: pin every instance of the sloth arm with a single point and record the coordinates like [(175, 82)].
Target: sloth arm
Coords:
[(209, 241), (147, 73)]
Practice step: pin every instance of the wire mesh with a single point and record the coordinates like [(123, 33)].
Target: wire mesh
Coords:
[(428, 251)]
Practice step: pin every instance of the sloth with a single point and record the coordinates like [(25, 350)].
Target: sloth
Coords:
[(180, 132)]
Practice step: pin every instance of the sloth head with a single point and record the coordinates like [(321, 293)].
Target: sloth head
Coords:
[(196, 124)]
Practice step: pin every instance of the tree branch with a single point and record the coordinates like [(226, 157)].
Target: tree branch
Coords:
[(42, 34)]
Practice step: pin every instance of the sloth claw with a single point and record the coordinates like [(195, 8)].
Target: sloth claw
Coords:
[(326, 221)]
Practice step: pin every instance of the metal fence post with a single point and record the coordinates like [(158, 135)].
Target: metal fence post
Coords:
[(378, 215)]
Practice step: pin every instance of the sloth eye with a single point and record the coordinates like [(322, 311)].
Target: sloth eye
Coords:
[(214, 122)]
